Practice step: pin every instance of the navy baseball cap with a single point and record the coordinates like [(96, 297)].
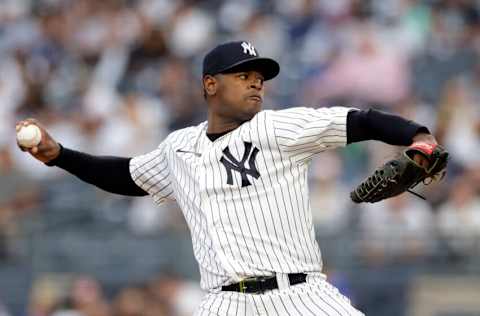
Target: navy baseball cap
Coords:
[(232, 56)]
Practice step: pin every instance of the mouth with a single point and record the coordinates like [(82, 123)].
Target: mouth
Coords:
[(256, 98)]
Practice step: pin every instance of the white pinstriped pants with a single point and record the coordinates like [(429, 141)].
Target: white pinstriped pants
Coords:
[(315, 297)]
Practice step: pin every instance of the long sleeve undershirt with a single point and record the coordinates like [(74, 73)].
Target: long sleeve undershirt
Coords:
[(112, 174)]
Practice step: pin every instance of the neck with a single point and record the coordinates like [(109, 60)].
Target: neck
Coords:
[(218, 124)]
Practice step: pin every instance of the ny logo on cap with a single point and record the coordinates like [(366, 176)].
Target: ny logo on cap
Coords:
[(232, 164), (248, 49)]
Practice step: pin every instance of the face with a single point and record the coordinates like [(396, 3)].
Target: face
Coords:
[(236, 96)]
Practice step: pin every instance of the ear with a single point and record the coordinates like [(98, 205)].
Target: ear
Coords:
[(210, 85)]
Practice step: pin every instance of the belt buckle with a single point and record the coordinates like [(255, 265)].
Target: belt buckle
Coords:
[(242, 286), (259, 284)]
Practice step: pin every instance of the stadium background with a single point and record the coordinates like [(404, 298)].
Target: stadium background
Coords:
[(115, 76)]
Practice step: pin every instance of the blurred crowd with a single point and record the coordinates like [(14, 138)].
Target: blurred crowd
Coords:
[(114, 77), (64, 295)]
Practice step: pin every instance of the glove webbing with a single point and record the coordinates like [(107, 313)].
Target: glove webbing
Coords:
[(376, 180)]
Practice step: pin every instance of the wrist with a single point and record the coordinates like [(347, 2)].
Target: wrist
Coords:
[(56, 157), (424, 138)]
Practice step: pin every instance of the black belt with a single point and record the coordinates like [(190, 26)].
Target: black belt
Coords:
[(261, 284)]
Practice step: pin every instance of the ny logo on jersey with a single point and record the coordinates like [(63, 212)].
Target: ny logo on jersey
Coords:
[(230, 163), (248, 49)]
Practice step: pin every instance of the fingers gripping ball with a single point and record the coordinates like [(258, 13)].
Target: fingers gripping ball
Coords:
[(402, 174), (29, 136)]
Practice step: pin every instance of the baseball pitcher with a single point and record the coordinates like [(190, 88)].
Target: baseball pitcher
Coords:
[(240, 179)]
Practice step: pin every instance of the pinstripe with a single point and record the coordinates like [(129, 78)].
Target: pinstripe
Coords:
[(263, 304), (265, 229), (273, 305), (306, 116), (213, 280), (161, 189), (299, 212), (265, 225), (296, 252), (228, 306), (300, 146), (311, 125), (291, 124), (338, 298), (312, 150), (238, 303), (157, 181), (284, 306), (225, 142), (258, 229), (141, 167), (173, 139), (295, 306), (292, 131), (339, 304), (196, 225), (310, 115), (255, 305), (239, 223), (219, 305), (324, 131), (159, 151), (330, 129), (228, 213), (266, 254), (200, 311), (317, 114), (303, 136), (216, 198), (308, 218), (302, 118), (307, 156), (302, 219), (268, 199), (206, 278), (245, 309), (153, 175), (272, 246), (226, 209), (197, 244), (289, 193), (337, 301), (212, 299), (303, 113), (318, 307), (155, 155), (330, 307)]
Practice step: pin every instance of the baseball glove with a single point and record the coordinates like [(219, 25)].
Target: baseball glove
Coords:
[(402, 174)]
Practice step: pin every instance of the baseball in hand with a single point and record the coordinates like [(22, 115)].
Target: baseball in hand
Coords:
[(29, 136)]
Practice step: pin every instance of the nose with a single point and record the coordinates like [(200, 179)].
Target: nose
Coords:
[(257, 83)]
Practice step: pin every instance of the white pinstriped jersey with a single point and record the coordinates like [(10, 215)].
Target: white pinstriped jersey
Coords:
[(245, 195)]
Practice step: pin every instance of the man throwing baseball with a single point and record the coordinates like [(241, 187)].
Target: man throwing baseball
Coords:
[(241, 180)]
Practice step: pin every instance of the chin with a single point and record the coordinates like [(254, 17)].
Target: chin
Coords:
[(247, 110), (255, 106), (253, 111)]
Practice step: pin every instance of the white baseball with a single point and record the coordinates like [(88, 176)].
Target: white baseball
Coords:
[(29, 136)]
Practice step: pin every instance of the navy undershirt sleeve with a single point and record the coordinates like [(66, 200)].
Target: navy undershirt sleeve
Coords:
[(377, 125), (111, 174)]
